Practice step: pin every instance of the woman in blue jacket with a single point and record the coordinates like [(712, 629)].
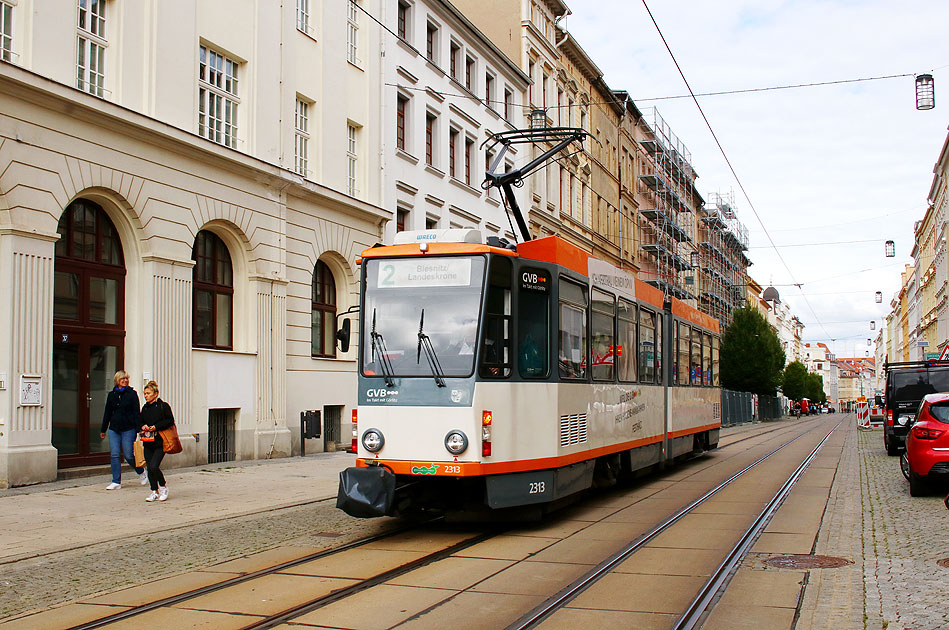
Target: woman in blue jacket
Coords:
[(122, 419)]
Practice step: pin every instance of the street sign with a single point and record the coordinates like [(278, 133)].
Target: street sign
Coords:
[(945, 353), (932, 355)]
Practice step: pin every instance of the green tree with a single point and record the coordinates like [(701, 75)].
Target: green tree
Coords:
[(815, 388), (752, 357), (795, 381)]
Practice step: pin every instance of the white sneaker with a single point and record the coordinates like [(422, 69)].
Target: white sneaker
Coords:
[(162, 493), (113, 486), (152, 496), (144, 477)]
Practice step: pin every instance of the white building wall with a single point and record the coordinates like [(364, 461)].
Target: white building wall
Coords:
[(136, 152)]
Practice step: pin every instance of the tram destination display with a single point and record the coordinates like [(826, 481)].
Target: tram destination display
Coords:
[(435, 272)]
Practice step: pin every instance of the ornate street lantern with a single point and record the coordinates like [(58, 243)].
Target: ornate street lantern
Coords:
[(890, 249), (873, 325), (538, 118), (878, 297), (925, 92), (868, 342)]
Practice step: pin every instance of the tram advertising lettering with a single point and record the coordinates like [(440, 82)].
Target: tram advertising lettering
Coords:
[(534, 280), (445, 272)]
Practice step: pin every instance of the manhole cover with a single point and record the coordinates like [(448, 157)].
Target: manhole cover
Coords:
[(944, 563), (807, 562)]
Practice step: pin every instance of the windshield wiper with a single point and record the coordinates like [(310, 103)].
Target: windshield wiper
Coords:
[(379, 345), (424, 341)]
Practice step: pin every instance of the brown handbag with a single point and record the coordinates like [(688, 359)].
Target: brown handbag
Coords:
[(170, 443)]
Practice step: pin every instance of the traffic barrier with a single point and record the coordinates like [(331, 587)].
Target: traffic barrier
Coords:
[(863, 415)]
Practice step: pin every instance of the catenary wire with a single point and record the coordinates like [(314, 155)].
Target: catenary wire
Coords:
[(725, 156)]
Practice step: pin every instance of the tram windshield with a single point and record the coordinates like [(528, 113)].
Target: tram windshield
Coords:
[(439, 297)]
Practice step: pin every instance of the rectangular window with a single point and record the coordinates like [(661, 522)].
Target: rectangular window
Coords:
[(452, 144), (400, 218), (469, 156), (706, 359), (303, 15), (495, 348), (430, 120), (352, 155), (469, 73), (454, 51), (430, 223), (508, 104), (489, 89), (695, 365), (91, 45), (217, 98), (625, 354), (647, 346), (431, 42), (6, 31), (715, 341), (403, 20), (530, 88), (352, 33), (681, 369), (572, 357), (400, 105), (301, 148), (603, 312)]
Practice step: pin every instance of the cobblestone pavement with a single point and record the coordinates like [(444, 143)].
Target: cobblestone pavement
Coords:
[(894, 540), (903, 538)]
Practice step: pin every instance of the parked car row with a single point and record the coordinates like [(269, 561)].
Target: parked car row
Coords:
[(917, 422)]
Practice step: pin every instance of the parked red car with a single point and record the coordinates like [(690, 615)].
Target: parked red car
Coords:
[(927, 445)]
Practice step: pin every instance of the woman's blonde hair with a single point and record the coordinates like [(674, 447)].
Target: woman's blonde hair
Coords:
[(119, 376), (152, 385)]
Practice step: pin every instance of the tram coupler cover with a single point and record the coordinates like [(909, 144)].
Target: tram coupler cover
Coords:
[(366, 492)]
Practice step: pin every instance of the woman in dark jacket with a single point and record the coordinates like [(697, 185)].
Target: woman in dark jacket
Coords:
[(121, 419), (156, 416)]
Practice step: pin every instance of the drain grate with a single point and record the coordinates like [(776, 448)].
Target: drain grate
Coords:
[(807, 562)]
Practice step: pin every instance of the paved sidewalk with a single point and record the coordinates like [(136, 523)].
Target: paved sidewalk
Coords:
[(63, 515)]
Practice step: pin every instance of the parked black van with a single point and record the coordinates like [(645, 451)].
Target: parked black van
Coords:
[(906, 384)]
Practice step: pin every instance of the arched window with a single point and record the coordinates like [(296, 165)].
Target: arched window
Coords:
[(323, 323), (213, 293)]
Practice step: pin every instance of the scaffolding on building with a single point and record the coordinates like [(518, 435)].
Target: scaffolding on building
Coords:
[(723, 264), (667, 220)]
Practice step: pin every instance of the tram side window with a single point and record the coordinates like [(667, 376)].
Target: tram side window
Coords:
[(696, 364), (647, 346), (707, 359), (604, 343), (715, 341), (682, 354), (496, 338), (533, 324), (573, 330), (660, 378), (625, 355)]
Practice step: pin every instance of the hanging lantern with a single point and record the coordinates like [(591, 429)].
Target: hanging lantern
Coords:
[(868, 342), (878, 297), (873, 325), (538, 118), (925, 92), (890, 249)]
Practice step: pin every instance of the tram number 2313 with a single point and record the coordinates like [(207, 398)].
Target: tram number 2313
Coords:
[(520, 488)]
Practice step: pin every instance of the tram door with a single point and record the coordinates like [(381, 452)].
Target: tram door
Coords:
[(88, 331)]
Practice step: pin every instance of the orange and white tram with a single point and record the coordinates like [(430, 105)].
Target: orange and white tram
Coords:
[(494, 376)]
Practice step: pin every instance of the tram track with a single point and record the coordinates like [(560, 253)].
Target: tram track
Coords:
[(699, 606), (357, 586)]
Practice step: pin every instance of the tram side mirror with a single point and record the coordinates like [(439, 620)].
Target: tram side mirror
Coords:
[(342, 335)]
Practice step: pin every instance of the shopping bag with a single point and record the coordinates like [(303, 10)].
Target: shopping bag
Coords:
[(139, 449), (170, 442)]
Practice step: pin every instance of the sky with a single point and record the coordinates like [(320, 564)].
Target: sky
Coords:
[(822, 166)]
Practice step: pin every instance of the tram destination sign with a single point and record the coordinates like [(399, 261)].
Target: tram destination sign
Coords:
[(434, 272)]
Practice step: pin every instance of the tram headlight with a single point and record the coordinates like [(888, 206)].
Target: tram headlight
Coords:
[(456, 442), (373, 441)]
